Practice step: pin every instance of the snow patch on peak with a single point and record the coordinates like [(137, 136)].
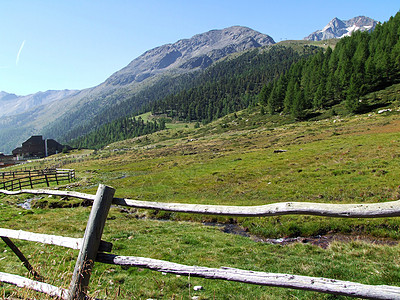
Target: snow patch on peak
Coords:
[(337, 28)]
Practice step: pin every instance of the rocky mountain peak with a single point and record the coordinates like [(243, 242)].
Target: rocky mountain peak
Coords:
[(185, 55), (335, 24), (361, 21), (337, 28), (4, 96)]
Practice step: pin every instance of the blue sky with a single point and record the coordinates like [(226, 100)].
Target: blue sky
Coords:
[(76, 44)]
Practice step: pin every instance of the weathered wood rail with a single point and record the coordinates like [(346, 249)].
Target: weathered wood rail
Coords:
[(92, 248), (12, 180)]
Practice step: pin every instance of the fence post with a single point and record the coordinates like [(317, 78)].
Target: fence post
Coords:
[(91, 242), (47, 180), (22, 258)]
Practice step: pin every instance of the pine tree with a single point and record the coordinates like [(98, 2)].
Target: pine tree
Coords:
[(299, 103), (290, 94), (353, 95)]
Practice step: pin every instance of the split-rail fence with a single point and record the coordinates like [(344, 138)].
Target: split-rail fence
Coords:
[(17, 180), (93, 249)]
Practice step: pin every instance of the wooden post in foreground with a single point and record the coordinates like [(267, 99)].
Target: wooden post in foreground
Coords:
[(91, 242), (22, 258)]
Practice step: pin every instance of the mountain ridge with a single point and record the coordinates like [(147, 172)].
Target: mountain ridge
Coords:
[(337, 28), (12, 104), (200, 51)]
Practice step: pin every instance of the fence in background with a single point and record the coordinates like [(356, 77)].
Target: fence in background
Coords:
[(20, 179), (93, 249)]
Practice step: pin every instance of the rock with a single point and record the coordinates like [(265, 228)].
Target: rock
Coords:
[(383, 110), (279, 151)]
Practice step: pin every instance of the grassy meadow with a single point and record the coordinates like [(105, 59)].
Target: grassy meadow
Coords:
[(233, 161)]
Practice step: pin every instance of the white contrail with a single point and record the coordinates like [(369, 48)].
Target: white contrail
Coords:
[(19, 53)]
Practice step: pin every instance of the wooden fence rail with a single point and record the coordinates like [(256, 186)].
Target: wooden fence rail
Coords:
[(26, 172), (317, 284), (364, 210), (30, 178), (38, 286), (92, 248)]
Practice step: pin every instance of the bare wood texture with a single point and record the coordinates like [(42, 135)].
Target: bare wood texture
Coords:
[(365, 210), (369, 210), (72, 194), (91, 242), (34, 285), (68, 242), (318, 284), (22, 257)]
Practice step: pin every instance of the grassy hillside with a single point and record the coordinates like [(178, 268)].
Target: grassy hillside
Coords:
[(298, 44), (348, 159)]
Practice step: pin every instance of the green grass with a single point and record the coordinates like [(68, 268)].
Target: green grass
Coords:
[(356, 164), (170, 124), (351, 159), (298, 45), (193, 244)]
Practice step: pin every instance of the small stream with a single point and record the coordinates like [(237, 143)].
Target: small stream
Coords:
[(322, 241), (26, 204)]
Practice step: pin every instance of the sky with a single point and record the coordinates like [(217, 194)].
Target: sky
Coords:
[(77, 44)]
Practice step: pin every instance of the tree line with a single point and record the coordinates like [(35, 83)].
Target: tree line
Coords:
[(121, 129), (359, 64), (230, 85)]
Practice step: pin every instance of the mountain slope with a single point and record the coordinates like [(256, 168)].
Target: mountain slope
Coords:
[(337, 28), (225, 87), (11, 104), (80, 107), (189, 54)]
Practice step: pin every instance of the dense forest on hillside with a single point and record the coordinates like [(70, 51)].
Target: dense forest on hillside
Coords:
[(225, 87), (117, 130), (230, 85), (359, 64)]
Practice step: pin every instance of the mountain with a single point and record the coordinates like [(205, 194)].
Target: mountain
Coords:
[(54, 116), (338, 28), (11, 104), (198, 52), (225, 87)]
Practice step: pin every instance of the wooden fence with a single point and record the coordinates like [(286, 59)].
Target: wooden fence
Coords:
[(93, 249), (13, 180)]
